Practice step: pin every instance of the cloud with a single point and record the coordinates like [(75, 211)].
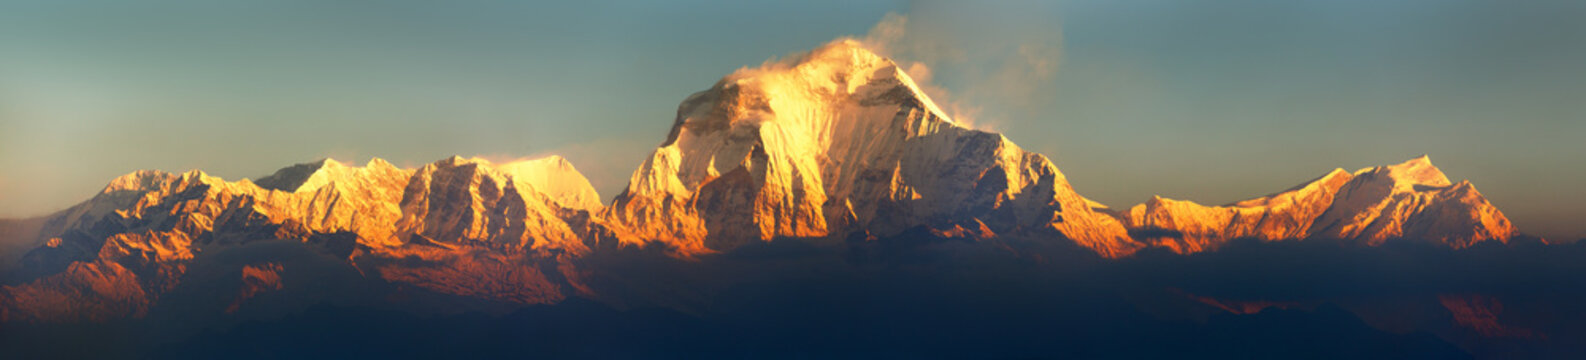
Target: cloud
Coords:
[(983, 70)]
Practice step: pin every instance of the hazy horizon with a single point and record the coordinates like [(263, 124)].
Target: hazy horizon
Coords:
[(1216, 102)]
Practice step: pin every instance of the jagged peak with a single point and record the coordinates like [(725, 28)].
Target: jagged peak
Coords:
[(199, 176), (838, 56), (842, 66), (805, 102), (845, 47), (378, 163), (138, 181), (329, 163), (551, 176), (1405, 176), (555, 177), (293, 178), (145, 180), (549, 161), (1333, 179), (812, 100), (455, 160), (1158, 200), (855, 53), (313, 175), (1420, 169), (1408, 174)]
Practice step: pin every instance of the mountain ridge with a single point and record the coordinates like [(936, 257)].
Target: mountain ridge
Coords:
[(835, 146), (1368, 206), (838, 141)]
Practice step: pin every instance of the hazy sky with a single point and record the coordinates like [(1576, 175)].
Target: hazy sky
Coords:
[(1211, 101)]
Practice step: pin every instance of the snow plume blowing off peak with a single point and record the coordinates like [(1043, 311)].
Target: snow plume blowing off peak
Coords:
[(841, 143), (998, 70), (834, 142), (838, 147)]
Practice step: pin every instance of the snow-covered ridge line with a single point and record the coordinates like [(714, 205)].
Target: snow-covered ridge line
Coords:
[(831, 143), (1410, 200), (833, 146)]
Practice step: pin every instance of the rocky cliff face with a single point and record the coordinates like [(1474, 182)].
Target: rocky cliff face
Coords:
[(470, 201), (1412, 200), (836, 142)]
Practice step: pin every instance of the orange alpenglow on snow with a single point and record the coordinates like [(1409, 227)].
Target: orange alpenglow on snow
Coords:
[(1411, 200), (835, 142), (832, 145), (126, 246)]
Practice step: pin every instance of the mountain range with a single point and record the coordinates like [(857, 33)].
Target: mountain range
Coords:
[(835, 146)]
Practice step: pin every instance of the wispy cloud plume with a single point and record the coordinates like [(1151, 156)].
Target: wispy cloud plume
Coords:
[(983, 73)]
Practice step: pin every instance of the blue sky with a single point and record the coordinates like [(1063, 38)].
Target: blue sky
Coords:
[(1212, 101)]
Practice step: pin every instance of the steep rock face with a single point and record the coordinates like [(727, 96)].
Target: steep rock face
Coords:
[(336, 198), (1412, 200), (469, 200), (835, 142)]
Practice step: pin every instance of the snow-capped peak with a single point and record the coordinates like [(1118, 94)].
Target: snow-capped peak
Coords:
[(304, 177), (311, 176), (823, 143), (1417, 171), (556, 178), (1409, 200), (841, 66), (137, 180)]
